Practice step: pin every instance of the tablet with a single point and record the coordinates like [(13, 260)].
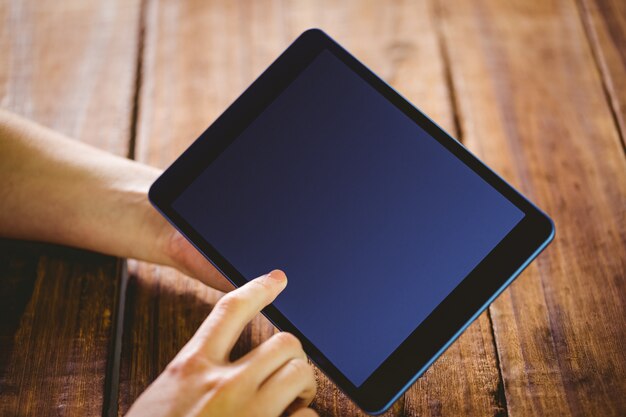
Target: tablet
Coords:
[(394, 237)]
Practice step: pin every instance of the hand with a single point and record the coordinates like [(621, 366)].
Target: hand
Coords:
[(270, 380), (62, 191), (163, 244), (187, 259)]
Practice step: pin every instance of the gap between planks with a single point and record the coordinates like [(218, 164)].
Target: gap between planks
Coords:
[(111, 386), (455, 109), (112, 381), (134, 116), (600, 66)]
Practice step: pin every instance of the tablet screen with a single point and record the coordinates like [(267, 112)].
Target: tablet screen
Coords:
[(373, 220)]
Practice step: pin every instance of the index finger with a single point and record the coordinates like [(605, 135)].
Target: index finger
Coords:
[(233, 311)]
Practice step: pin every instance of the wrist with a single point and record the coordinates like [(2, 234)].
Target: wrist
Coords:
[(151, 233), (154, 240)]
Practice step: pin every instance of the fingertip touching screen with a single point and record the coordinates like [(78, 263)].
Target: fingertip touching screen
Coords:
[(372, 219)]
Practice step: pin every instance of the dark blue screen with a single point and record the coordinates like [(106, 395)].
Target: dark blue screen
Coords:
[(373, 220)]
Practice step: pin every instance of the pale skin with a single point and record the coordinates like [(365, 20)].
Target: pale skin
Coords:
[(61, 191)]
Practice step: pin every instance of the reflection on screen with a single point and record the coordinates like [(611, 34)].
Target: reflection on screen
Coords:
[(373, 221)]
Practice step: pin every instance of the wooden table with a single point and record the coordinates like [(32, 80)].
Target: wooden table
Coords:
[(537, 89)]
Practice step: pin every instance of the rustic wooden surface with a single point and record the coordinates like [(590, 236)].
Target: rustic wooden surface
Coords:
[(525, 78), (537, 89), (70, 68), (605, 22)]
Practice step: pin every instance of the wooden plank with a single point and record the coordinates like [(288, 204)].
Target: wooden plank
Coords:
[(198, 57), (533, 108), (56, 330), (605, 21), (69, 66)]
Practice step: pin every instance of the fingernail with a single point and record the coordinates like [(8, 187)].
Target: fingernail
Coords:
[(277, 275)]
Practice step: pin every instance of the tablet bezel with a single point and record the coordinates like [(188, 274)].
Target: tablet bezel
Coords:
[(452, 316)]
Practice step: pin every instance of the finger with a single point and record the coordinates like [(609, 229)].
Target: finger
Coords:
[(233, 311), (191, 262), (197, 266), (271, 355), (291, 386), (305, 412)]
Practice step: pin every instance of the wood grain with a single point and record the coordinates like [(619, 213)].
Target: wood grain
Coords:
[(605, 21), (69, 66), (198, 57), (535, 88), (533, 108), (57, 307)]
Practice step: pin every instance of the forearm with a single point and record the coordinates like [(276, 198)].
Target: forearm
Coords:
[(60, 191)]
